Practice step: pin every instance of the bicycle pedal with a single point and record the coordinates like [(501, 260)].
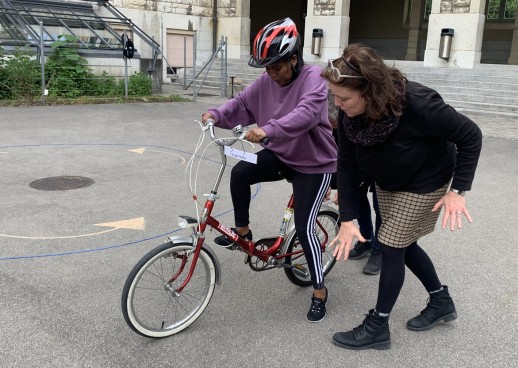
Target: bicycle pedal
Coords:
[(300, 270)]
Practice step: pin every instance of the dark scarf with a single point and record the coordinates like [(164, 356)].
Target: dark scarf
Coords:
[(368, 133)]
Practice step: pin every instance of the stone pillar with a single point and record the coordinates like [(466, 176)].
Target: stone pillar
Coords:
[(513, 57), (332, 16), (467, 18), (414, 32), (243, 12), (156, 76), (235, 25)]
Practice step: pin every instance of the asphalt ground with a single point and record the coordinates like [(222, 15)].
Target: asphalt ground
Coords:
[(64, 255)]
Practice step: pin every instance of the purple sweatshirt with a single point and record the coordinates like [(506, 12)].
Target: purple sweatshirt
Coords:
[(294, 117)]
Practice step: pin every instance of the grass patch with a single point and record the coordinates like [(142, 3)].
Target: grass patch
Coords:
[(50, 101)]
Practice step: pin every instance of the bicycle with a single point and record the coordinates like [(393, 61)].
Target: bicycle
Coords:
[(170, 287)]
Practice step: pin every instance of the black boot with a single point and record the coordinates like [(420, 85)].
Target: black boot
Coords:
[(440, 308), (372, 333)]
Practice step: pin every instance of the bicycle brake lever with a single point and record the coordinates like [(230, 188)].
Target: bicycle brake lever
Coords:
[(209, 124)]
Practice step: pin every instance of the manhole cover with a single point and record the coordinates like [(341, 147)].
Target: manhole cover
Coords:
[(61, 183)]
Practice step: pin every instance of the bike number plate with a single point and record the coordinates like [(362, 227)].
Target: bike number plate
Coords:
[(241, 155)]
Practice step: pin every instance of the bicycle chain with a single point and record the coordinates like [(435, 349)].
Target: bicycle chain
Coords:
[(257, 264)]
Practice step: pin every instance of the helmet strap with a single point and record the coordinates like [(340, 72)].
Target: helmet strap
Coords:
[(295, 69)]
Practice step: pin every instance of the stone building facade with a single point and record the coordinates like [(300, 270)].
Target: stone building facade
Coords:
[(400, 29)]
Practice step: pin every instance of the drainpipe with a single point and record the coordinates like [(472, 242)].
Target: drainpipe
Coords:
[(214, 25)]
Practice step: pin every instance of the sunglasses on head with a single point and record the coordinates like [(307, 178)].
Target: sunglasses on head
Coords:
[(336, 73)]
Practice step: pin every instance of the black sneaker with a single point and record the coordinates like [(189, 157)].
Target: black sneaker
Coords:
[(373, 266), (223, 241), (360, 250), (317, 311)]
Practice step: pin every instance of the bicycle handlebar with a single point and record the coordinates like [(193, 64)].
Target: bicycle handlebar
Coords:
[(238, 132)]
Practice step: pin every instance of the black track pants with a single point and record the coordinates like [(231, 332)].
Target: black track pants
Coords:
[(308, 189)]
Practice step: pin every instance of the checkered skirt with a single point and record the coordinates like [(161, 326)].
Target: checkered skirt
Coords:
[(406, 217)]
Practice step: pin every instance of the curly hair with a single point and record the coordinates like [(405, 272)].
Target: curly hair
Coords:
[(383, 87)]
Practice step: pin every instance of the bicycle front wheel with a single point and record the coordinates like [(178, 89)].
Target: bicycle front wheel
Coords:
[(150, 304), (327, 228)]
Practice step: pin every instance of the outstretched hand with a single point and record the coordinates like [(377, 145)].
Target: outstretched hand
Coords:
[(454, 207), (348, 231)]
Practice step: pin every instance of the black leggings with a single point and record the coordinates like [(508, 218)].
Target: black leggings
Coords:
[(393, 273), (308, 190)]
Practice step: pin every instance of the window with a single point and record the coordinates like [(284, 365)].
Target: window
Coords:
[(496, 9), (510, 9), (501, 9), (20, 24), (427, 9)]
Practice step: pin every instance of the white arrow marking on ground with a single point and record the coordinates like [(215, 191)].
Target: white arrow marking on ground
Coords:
[(135, 224), (138, 223), (4, 153), (140, 151)]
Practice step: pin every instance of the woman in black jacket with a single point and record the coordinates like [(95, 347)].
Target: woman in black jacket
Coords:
[(422, 155)]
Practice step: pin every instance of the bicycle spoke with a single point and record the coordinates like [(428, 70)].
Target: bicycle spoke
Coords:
[(155, 307), (325, 230)]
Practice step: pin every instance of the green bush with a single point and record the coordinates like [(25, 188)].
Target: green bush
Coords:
[(67, 75), (20, 75), (104, 85), (139, 84), (4, 92)]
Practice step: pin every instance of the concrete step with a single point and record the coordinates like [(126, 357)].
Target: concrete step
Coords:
[(479, 69), (486, 88), (503, 80), (503, 94), (480, 99), (497, 109), (469, 80), (474, 91)]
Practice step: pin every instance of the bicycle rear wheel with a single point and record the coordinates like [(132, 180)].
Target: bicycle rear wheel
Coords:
[(150, 304), (326, 228)]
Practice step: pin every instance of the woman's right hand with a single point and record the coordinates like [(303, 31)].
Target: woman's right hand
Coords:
[(207, 116), (348, 231)]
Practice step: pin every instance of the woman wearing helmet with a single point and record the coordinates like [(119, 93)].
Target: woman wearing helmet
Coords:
[(289, 105)]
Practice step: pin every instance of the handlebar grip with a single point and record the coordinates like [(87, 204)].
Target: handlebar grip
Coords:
[(265, 140)]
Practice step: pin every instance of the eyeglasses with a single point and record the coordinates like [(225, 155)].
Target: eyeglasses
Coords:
[(336, 73)]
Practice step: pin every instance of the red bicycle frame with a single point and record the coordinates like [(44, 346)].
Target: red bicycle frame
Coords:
[(247, 246)]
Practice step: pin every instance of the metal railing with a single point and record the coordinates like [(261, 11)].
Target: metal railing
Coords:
[(222, 50)]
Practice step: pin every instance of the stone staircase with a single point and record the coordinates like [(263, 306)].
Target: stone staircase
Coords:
[(486, 89)]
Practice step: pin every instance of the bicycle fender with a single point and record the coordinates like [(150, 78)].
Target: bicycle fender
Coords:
[(325, 207), (289, 236), (189, 239)]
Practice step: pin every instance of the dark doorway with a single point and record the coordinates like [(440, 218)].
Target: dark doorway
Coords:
[(266, 11), (380, 25)]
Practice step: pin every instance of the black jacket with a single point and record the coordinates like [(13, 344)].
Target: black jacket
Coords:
[(431, 144)]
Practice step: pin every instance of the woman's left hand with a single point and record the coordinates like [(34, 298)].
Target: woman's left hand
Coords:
[(343, 240), (454, 207), (255, 135)]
